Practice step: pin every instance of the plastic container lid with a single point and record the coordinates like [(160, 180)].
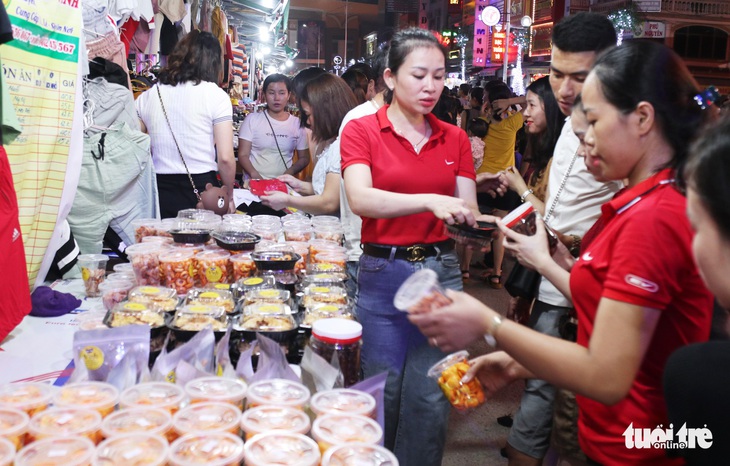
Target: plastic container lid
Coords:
[(267, 418), (206, 448), (92, 258), (325, 220), (254, 283), (281, 448), (359, 454), (57, 451), (7, 452), (132, 449), (58, 422), (28, 396), (100, 396), (270, 295), (140, 249), (342, 401), (153, 294), (212, 297), (159, 240), (268, 219), (216, 389), (153, 394), (415, 288), (196, 317), (336, 429), (131, 313), (13, 424), (207, 417), (135, 420), (519, 213), (123, 267), (177, 255), (336, 330), (278, 392), (436, 370)]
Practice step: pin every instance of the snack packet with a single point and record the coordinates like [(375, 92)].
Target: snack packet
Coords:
[(100, 350), (223, 365), (272, 361)]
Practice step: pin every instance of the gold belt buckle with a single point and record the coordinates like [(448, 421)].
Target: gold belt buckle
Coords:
[(416, 253)]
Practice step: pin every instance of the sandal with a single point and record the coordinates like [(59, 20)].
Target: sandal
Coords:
[(465, 275), (495, 280)]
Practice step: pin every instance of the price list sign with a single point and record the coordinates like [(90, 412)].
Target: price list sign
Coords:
[(40, 68)]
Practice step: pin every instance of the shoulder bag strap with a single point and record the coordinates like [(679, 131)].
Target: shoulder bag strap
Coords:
[(190, 177), (275, 139)]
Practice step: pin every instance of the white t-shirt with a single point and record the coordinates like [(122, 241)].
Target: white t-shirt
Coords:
[(327, 162), (579, 204), (265, 156), (351, 223), (193, 110)]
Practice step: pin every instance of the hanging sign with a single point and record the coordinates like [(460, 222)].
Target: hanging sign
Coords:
[(479, 55)]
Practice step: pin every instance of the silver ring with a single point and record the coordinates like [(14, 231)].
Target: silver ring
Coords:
[(434, 342)]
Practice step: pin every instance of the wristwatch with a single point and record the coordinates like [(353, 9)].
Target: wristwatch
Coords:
[(574, 248)]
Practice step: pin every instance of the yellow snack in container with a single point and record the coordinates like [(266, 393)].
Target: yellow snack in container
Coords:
[(131, 313), (157, 298), (152, 421), (135, 449), (99, 396), (211, 297), (161, 395), (14, 426), (212, 416), (281, 448), (213, 267), (343, 401), (65, 422), (326, 311), (277, 392), (217, 389), (359, 454), (337, 429), (448, 373), (197, 317), (30, 397), (57, 451), (207, 448), (267, 418), (314, 294), (270, 296)]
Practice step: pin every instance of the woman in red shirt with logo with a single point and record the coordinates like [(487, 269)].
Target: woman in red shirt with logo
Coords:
[(635, 287)]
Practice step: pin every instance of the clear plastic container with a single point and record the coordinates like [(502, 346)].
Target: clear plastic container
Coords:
[(266, 220), (13, 426), (281, 448), (243, 266), (62, 422), (161, 240), (130, 313), (317, 246), (269, 232), (269, 296), (339, 337), (93, 318), (114, 292), (207, 417), (359, 454), (30, 397), (119, 276), (177, 269), (154, 297), (448, 373), (145, 259), (197, 317), (123, 267), (301, 248), (207, 448), (256, 283), (237, 218), (219, 389), (57, 451), (153, 421), (267, 418), (277, 392), (93, 271), (330, 232), (420, 293), (338, 429), (161, 395), (144, 227), (324, 278), (262, 321), (211, 297), (335, 258), (132, 449), (326, 311), (199, 215), (343, 401), (7, 452), (298, 231), (100, 396), (319, 220), (213, 267), (324, 294)]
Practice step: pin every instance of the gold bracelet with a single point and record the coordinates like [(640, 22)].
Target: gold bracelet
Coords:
[(492, 331)]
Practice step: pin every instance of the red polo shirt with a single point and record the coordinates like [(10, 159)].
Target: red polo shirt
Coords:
[(643, 256), (395, 166)]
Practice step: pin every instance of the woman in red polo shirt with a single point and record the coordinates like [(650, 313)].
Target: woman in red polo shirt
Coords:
[(635, 287), (405, 174)]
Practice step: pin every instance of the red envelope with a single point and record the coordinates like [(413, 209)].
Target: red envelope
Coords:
[(261, 187)]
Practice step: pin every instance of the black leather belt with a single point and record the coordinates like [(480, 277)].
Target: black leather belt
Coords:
[(415, 253)]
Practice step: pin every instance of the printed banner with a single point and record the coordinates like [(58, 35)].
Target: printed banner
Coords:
[(40, 67)]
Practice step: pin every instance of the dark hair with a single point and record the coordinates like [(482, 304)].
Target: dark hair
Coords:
[(331, 98), (497, 93), (477, 93), (299, 82), (644, 71), (446, 108), (277, 78), (465, 88), (406, 41), (379, 63), (541, 146), (708, 172), (363, 68), (197, 57), (584, 32), (479, 127), (358, 82)]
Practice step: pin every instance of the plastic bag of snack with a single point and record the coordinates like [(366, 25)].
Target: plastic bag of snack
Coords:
[(272, 361), (125, 374), (198, 352), (318, 374), (223, 365), (375, 386), (100, 350), (185, 372), (244, 367)]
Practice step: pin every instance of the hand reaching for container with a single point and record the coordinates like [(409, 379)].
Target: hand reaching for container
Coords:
[(275, 199), (531, 251), (450, 209), (495, 371)]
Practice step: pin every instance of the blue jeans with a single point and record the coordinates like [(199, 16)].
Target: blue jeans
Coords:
[(416, 411)]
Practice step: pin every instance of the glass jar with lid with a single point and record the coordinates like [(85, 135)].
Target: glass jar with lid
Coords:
[(341, 337)]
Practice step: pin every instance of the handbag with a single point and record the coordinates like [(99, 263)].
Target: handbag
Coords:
[(220, 202)]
